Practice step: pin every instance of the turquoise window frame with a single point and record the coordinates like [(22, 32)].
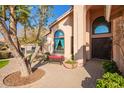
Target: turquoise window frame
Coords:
[(59, 37)]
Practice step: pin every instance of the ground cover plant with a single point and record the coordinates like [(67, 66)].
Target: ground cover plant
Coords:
[(3, 63)]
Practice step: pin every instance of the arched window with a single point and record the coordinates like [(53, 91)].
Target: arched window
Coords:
[(101, 26), (59, 42)]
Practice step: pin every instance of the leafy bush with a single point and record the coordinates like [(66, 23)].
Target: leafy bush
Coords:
[(4, 54), (112, 77), (110, 66), (110, 80)]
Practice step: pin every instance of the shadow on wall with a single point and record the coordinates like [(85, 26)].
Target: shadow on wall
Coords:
[(81, 53)]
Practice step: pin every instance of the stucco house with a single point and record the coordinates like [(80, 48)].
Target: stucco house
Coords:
[(88, 31)]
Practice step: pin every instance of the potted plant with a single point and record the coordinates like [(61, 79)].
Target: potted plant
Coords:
[(70, 64)]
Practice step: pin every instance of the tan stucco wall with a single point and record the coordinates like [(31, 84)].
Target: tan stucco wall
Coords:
[(116, 15), (117, 54), (66, 26)]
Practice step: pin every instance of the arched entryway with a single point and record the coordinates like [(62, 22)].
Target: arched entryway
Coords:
[(59, 42), (101, 39)]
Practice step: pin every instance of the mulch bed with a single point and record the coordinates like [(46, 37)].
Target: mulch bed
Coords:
[(15, 78)]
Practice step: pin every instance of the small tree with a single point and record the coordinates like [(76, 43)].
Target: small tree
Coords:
[(15, 14), (43, 13)]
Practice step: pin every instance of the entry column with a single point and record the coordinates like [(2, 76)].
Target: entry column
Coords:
[(79, 34)]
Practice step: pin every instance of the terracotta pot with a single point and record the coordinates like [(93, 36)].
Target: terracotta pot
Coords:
[(69, 66)]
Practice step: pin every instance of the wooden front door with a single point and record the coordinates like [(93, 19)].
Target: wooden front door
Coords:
[(101, 48)]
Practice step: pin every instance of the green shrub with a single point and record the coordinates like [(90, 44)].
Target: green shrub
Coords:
[(71, 62), (112, 77), (110, 80), (110, 66), (4, 54)]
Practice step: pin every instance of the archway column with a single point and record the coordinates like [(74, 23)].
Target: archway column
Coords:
[(108, 12), (79, 34)]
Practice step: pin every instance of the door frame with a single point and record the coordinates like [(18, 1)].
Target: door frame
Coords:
[(102, 35)]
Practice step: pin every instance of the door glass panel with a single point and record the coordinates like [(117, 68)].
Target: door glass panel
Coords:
[(101, 29)]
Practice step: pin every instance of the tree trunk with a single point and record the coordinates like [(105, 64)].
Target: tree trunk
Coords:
[(24, 65), (16, 54), (39, 31), (25, 34), (35, 52)]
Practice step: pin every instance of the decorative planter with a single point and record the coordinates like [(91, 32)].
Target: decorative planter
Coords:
[(70, 66)]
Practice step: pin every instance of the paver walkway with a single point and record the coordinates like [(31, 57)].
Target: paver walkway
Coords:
[(57, 76)]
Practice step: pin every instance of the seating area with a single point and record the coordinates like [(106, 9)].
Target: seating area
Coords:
[(56, 58)]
